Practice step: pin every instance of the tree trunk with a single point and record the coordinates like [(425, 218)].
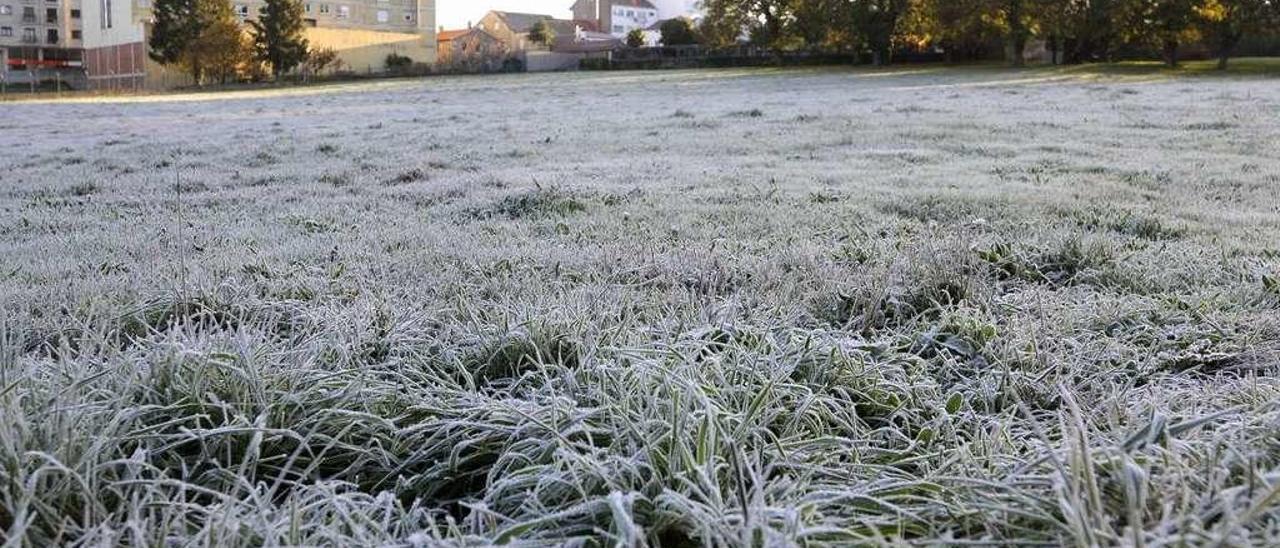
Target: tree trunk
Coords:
[(1018, 55), (1017, 34), (1226, 47), (1171, 52)]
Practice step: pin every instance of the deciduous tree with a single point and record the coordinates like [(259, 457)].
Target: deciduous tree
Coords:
[(202, 36), (1165, 24), (635, 38), (678, 32), (542, 33), (1223, 23)]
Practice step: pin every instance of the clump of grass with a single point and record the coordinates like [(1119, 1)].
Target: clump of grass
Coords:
[(533, 204), (1126, 222), (1071, 261), (408, 176), (509, 356), (340, 179), (82, 189)]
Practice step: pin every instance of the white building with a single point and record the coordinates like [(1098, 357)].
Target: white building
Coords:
[(668, 9)]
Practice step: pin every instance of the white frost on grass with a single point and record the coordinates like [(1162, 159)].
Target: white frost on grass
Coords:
[(719, 307)]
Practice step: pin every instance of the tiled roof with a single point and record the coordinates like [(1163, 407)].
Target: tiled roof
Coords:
[(522, 22), (449, 35)]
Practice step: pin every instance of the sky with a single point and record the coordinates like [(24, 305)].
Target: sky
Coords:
[(454, 14)]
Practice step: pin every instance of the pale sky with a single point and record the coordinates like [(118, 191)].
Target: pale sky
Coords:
[(454, 14)]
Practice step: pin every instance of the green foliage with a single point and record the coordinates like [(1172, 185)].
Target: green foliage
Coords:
[(542, 33), (635, 38), (202, 36), (1073, 30), (678, 31), (278, 36), (175, 26), (397, 63)]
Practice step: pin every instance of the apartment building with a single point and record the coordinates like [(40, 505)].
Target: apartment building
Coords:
[(105, 41), (619, 17), (41, 36)]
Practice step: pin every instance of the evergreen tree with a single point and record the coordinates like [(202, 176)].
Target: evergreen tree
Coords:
[(278, 36), (175, 26)]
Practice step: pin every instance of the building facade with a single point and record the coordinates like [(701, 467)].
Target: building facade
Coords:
[(513, 28), (104, 42), (469, 49), (41, 37), (619, 17)]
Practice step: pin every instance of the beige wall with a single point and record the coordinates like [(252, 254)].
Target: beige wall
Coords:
[(365, 51), (126, 23)]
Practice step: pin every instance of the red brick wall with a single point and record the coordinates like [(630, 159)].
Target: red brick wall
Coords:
[(116, 67)]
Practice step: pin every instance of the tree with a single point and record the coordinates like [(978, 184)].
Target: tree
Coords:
[(542, 33), (1223, 23), (960, 27), (202, 36), (764, 20), (1015, 19), (1166, 24), (277, 36), (636, 38), (815, 22), (876, 21), (175, 27), (319, 59), (678, 32)]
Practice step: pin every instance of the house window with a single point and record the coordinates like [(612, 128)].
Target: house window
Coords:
[(6, 31), (324, 8), (51, 15), (75, 14), (383, 16), (76, 35), (51, 36), (29, 35), (242, 10), (306, 8), (6, 10), (28, 15), (344, 11), (618, 28)]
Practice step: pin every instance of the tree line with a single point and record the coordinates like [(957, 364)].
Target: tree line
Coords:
[(205, 39), (1073, 31)]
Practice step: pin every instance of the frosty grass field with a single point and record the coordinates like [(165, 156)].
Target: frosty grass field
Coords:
[(821, 307)]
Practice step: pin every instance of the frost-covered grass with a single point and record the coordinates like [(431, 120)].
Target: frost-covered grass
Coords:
[(686, 308)]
